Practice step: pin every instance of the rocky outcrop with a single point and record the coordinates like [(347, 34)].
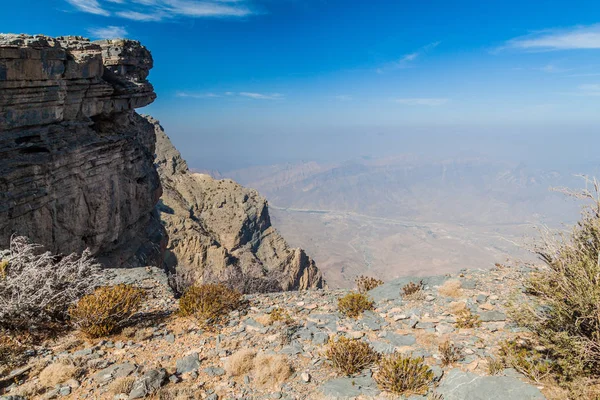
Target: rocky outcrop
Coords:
[(76, 161), (220, 230)]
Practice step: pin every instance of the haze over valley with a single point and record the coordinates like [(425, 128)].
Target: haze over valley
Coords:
[(411, 215)]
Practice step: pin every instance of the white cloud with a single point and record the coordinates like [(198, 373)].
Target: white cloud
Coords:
[(193, 8), (89, 6), (250, 95), (406, 60), (109, 32), (421, 101), (261, 96), (197, 95), (138, 16), (579, 37), (158, 10)]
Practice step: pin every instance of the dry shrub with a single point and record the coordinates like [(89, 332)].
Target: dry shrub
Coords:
[(57, 373), (271, 370), (120, 385), (449, 353), (353, 304), (37, 288), (435, 396), (351, 356), (451, 288), (3, 268), (494, 365), (241, 362), (209, 303), (280, 315), (523, 357), (412, 289), (366, 283), (465, 319), (564, 297), (11, 354), (403, 375), (106, 310), (456, 307)]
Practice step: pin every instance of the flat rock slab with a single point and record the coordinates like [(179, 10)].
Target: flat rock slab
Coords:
[(393, 290), (113, 372), (188, 363), (460, 385), (348, 388)]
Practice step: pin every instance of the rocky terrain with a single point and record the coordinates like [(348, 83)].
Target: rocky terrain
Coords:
[(171, 357), (76, 161), (222, 231)]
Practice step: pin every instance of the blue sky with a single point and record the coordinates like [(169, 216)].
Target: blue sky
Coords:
[(243, 82)]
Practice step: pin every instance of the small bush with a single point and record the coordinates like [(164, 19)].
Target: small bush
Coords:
[(366, 283), (241, 362), (451, 288), (57, 373), (523, 357), (280, 315), (11, 354), (494, 365), (106, 310), (37, 289), (122, 385), (403, 375), (354, 304), (465, 319), (564, 308), (271, 370), (449, 353), (351, 356), (209, 303), (3, 268), (412, 288)]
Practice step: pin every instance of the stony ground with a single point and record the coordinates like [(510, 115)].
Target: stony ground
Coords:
[(167, 357)]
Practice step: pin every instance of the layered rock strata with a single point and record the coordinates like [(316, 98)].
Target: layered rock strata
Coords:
[(76, 161), (221, 231)]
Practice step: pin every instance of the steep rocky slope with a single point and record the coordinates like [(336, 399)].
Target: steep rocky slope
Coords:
[(220, 230), (76, 161)]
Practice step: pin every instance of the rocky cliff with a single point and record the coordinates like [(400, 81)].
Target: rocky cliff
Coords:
[(220, 230), (76, 161)]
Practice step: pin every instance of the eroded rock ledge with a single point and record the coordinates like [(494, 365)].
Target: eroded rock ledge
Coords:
[(76, 161), (222, 231)]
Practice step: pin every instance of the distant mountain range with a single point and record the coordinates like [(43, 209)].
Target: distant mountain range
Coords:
[(408, 214)]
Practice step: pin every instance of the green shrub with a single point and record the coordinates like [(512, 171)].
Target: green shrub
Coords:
[(494, 365), (366, 283), (351, 356), (354, 304), (209, 303), (106, 310), (465, 319), (403, 375), (523, 357), (449, 353), (280, 315), (564, 312)]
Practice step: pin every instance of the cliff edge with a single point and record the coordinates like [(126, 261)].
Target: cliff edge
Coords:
[(76, 161)]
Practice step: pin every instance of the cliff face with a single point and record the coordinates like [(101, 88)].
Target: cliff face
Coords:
[(76, 162), (220, 230)]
